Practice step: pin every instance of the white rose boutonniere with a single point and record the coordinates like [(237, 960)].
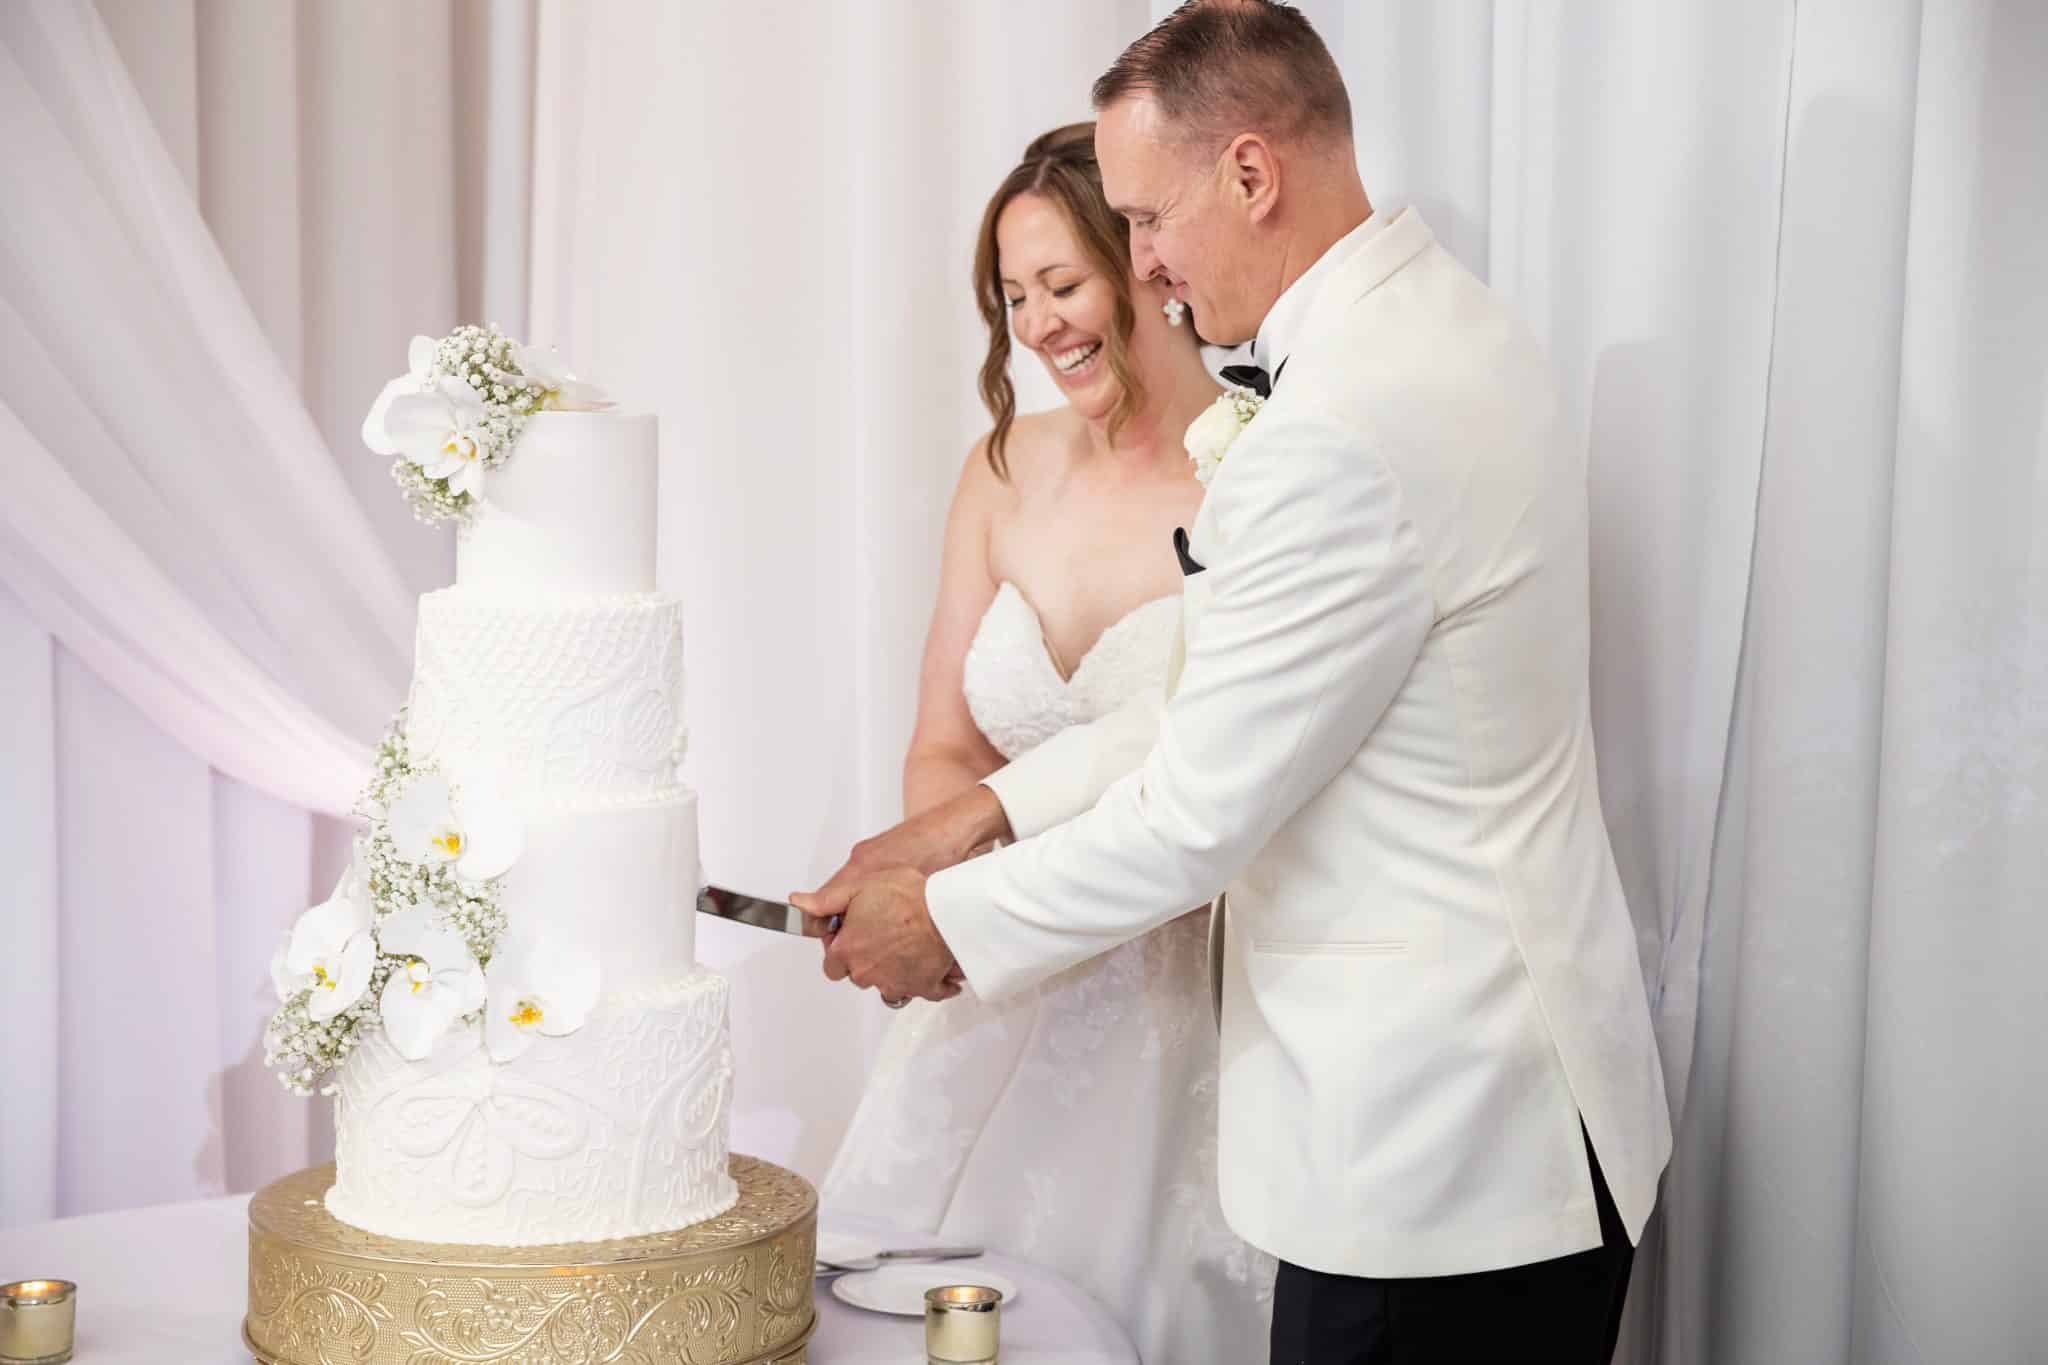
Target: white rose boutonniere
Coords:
[(1213, 432)]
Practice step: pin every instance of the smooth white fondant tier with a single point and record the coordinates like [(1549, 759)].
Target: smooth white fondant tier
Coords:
[(571, 510), (572, 701), (616, 1130), (618, 883)]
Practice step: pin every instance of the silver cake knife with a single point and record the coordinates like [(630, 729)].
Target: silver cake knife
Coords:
[(739, 908), (780, 917)]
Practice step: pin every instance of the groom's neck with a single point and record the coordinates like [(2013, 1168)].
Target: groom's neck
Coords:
[(1332, 206)]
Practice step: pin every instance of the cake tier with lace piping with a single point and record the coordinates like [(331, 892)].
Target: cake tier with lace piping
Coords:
[(570, 701)]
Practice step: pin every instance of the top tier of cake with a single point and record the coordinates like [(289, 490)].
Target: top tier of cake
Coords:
[(570, 513)]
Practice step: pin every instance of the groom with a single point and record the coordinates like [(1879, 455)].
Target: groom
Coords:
[(1441, 1106)]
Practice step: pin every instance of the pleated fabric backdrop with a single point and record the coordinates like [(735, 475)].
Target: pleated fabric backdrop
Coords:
[(1782, 255)]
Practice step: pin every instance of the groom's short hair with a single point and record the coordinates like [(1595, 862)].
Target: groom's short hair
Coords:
[(1217, 68)]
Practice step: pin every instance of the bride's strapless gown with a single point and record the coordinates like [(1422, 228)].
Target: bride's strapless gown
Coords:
[(1074, 1125)]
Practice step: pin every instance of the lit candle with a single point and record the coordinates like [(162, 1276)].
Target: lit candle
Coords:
[(961, 1324), (36, 1319)]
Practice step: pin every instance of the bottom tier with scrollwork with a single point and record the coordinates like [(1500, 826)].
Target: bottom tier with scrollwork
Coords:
[(618, 1129), (734, 1290)]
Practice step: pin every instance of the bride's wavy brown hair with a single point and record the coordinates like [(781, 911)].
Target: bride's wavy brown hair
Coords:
[(1061, 166)]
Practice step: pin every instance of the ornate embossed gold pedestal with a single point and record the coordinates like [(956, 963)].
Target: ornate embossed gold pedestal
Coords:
[(735, 1290)]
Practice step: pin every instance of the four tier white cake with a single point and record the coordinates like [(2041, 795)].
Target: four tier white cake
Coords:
[(549, 679)]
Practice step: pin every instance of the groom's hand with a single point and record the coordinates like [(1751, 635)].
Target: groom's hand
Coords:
[(928, 842), (886, 939)]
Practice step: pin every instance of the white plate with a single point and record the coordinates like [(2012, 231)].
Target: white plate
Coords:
[(845, 1246), (899, 1287)]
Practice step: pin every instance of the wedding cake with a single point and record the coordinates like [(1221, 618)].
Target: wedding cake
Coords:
[(502, 994)]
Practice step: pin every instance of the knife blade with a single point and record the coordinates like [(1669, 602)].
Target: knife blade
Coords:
[(775, 916)]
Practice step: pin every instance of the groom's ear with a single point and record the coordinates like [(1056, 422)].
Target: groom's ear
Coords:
[(1254, 174)]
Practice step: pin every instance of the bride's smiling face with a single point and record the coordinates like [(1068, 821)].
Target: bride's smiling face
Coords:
[(1061, 305)]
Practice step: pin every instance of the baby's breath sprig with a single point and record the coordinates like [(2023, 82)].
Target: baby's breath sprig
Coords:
[(486, 360)]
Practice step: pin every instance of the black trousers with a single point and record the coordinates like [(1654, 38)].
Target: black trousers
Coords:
[(1567, 1310)]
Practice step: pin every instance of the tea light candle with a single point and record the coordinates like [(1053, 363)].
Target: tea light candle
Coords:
[(961, 1323), (36, 1318)]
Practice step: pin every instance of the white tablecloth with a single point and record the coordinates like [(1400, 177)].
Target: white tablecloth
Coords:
[(166, 1286)]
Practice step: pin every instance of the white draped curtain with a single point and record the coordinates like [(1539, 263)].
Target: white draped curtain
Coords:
[(1785, 256), (1859, 1172), (205, 583)]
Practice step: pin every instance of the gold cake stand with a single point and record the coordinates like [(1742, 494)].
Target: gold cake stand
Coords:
[(735, 1290)]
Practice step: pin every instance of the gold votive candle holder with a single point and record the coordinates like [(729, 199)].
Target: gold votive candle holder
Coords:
[(962, 1324), (36, 1321)]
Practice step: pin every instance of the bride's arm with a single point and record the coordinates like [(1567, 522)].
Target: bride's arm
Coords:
[(948, 753), (1071, 770)]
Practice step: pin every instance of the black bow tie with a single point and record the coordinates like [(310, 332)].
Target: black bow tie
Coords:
[(1253, 377)]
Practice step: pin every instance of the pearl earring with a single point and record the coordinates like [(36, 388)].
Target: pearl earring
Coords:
[(1175, 310)]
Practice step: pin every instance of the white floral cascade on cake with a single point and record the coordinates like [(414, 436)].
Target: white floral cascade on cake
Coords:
[(458, 411), (408, 943)]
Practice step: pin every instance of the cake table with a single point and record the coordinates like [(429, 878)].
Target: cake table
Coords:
[(168, 1285)]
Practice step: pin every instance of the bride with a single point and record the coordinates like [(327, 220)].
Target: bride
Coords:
[(1076, 1125)]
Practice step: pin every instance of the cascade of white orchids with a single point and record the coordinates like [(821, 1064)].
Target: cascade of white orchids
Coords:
[(413, 941)]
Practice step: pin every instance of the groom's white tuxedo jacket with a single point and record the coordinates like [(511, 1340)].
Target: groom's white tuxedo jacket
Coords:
[(1376, 736)]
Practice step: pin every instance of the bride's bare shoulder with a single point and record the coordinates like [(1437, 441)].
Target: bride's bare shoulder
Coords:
[(1039, 447), (988, 498)]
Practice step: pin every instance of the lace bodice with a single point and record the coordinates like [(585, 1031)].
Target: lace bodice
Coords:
[(1016, 693)]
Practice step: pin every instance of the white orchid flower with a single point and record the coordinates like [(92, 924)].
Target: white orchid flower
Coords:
[(419, 358), (352, 887), (479, 833), (330, 953), (437, 982), (561, 390), (441, 430), (536, 988)]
